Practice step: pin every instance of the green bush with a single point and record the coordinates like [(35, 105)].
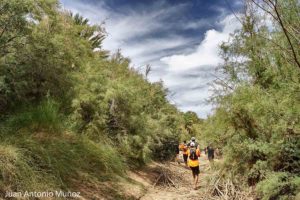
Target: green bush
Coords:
[(256, 121), (279, 185), (106, 115)]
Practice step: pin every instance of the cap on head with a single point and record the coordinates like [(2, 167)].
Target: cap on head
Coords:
[(193, 138), (192, 144)]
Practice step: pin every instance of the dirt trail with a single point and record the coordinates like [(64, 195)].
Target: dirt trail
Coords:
[(185, 189)]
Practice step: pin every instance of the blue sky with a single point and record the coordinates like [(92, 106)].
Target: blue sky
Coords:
[(178, 38)]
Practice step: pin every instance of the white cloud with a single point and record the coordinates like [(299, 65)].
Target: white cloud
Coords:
[(202, 62), (147, 50), (197, 24), (207, 52), (183, 65), (133, 24), (202, 110)]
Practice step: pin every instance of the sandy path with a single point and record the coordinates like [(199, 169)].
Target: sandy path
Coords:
[(185, 189)]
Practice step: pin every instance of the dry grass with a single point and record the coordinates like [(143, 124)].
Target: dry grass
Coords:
[(166, 177), (221, 188)]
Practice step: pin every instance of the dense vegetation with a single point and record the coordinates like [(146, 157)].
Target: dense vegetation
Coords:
[(256, 121), (72, 112)]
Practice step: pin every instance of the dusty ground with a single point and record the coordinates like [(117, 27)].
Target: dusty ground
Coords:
[(184, 188), (141, 184), (148, 184)]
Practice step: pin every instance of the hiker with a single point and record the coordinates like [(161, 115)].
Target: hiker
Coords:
[(193, 155), (193, 139), (210, 153), (185, 152)]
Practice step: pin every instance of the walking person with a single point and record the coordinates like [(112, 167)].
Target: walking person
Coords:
[(193, 139), (185, 152), (210, 154), (193, 162)]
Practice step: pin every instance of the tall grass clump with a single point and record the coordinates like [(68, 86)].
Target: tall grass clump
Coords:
[(43, 162), (18, 173), (43, 117), (69, 155)]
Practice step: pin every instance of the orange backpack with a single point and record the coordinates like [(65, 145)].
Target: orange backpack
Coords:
[(181, 147)]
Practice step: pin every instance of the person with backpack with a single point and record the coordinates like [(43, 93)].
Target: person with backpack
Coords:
[(193, 162), (193, 139)]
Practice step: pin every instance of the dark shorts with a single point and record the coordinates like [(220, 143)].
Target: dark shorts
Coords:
[(177, 150), (185, 157), (195, 170)]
